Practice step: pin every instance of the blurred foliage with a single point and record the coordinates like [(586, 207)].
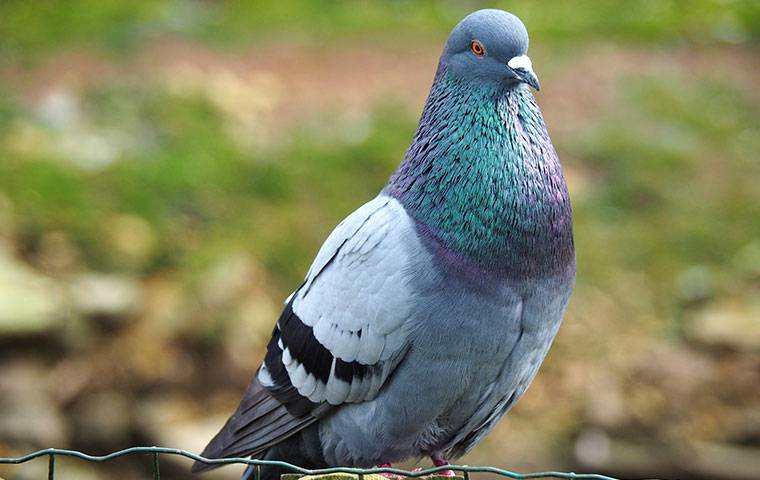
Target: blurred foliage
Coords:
[(675, 187), (187, 177), (28, 30), (677, 166)]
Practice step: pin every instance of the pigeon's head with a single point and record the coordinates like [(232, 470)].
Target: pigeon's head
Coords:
[(490, 47)]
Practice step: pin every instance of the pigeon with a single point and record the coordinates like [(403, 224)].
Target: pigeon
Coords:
[(427, 311)]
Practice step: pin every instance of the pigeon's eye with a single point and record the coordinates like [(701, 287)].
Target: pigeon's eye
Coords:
[(477, 48)]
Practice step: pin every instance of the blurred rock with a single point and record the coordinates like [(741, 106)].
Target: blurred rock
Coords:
[(103, 418), (69, 378), (165, 308), (73, 137), (634, 459), (30, 303), (229, 279), (27, 471), (731, 324), (58, 108), (238, 286), (27, 412), (66, 468), (246, 338), (112, 296), (592, 448), (147, 359), (131, 237), (57, 253), (89, 147), (605, 404), (685, 371), (725, 461), (646, 404), (176, 420), (79, 334), (695, 283)]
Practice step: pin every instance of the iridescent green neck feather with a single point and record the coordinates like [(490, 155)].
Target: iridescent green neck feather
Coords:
[(483, 181)]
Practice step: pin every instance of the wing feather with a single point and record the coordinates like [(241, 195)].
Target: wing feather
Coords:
[(339, 338)]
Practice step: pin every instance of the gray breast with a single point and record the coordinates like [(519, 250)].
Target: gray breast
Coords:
[(475, 343), (498, 332)]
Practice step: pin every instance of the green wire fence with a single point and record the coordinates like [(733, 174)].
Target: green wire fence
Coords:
[(156, 452)]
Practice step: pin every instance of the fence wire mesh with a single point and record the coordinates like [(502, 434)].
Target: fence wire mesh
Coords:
[(156, 452)]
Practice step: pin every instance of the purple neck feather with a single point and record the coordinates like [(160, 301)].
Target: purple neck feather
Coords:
[(484, 184)]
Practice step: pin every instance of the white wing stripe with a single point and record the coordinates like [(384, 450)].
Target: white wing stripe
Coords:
[(354, 303)]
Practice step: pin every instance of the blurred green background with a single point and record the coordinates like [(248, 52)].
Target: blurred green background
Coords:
[(169, 169)]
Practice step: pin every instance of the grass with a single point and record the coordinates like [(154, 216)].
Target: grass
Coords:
[(674, 188), (189, 180), (31, 31), (675, 192)]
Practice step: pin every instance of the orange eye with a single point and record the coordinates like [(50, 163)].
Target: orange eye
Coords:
[(477, 48)]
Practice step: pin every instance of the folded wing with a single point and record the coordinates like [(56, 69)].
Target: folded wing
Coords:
[(339, 338)]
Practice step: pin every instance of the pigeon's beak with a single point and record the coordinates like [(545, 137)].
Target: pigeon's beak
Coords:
[(522, 68)]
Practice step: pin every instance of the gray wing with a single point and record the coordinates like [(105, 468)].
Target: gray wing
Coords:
[(340, 337)]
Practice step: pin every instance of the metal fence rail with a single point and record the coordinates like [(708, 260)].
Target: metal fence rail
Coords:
[(156, 452)]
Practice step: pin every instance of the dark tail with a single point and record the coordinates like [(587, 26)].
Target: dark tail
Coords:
[(249, 474), (292, 450), (259, 423)]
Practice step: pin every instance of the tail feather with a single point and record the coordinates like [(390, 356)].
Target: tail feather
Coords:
[(262, 438), (259, 422), (293, 450)]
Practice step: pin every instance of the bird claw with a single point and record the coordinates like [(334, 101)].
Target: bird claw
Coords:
[(439, 462), (387, 474)]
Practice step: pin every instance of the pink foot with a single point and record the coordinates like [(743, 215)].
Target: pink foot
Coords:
[(386, 474), (439, 462)]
